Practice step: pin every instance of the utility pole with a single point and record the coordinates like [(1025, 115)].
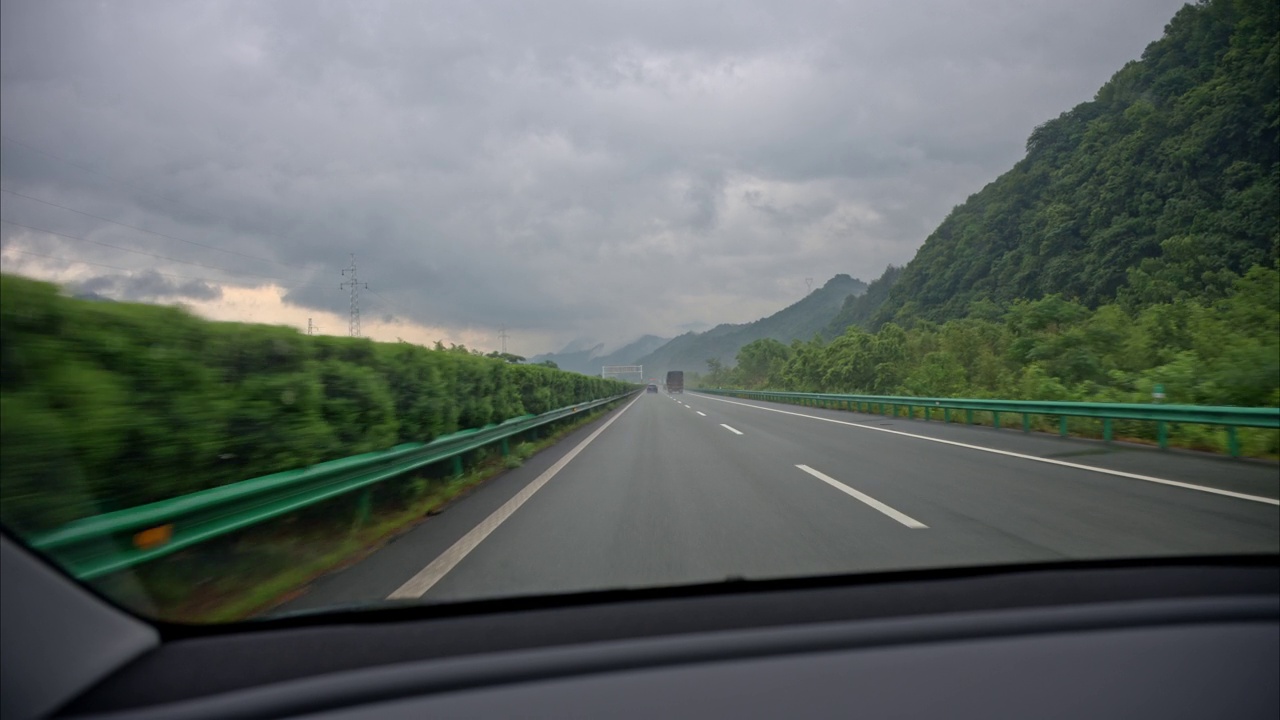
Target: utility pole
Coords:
[(311, 328), (504, 336), (353, 325)]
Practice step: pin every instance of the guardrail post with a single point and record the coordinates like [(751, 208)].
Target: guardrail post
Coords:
[(1162, 434), (968, 416), (995, 420), (946, 415), (506, 447), (911, 413), (1062, 425), (457, 466), (1233, 441), (1106, 430), (363, 505), (1026, 422)]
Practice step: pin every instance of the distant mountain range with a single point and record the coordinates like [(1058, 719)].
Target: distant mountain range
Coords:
[(799, 321), (580, 356), (858, 309)]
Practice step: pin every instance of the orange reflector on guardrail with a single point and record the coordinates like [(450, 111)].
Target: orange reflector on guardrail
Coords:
[(152, 537)]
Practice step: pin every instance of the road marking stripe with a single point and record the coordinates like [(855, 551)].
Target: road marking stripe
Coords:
[(1050, 461), (449, 559), (700, 413), (726, 427), (900, 517)]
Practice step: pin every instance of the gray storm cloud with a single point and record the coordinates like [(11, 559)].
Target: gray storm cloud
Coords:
[(147, 285), (564, 169)]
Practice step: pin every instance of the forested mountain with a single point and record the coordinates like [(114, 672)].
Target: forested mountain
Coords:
[(799, 321), (1164, 186)]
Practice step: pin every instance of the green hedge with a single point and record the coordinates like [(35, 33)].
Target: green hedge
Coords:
[(111, 405)]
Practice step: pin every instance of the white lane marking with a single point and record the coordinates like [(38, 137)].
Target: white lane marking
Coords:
[(900, 517), (700, 413), (726, 427), (1050, 461), (428, 576)]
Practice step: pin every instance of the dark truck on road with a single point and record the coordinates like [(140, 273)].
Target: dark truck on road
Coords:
[(675, 381)]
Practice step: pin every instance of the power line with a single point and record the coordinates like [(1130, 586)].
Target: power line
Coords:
[(142, 252), (149, 232), (104, 265), (144, 191), (133, 270), (390, 305)]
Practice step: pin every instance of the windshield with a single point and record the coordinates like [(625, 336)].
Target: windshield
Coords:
[(314, 306)]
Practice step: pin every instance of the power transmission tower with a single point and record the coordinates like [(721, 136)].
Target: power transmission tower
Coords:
[(311, 328), (504, 336), (809, 282), (353, 326)]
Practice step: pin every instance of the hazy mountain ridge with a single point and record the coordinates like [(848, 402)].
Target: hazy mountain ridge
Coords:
[(589, 361), (799, 321)]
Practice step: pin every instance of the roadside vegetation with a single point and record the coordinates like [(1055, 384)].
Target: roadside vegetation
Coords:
[(1196, 351), (108, 405)]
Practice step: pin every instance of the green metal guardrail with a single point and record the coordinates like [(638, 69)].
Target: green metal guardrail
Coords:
[(99, 545), (1162, 415)]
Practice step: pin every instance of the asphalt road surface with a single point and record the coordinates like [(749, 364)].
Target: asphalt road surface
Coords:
[(669, 490)]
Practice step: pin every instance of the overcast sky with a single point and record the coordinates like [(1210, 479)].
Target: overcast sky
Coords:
[(569, 170)]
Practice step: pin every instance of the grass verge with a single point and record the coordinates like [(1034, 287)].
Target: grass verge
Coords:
[(248, 573)]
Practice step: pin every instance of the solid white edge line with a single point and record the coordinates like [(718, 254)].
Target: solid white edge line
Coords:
[(900, 517), (428, 576), (1050, 461), (700, 413), (732, 430)]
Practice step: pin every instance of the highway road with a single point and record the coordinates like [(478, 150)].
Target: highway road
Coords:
[(669, 490)]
